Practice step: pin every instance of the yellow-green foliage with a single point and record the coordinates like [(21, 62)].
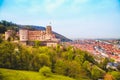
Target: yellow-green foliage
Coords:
[(45, 71), (61, 60), (8, 74)]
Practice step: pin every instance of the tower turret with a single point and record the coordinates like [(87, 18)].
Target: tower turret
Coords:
[(23, 33), (48, 29)]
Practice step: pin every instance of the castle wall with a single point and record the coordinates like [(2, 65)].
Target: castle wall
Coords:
[(8, 34), (53, 44), (36, 35), (23, 33), (40, 35)]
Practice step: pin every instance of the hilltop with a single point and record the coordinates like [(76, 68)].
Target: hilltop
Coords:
[(4, 25), (59, 36)]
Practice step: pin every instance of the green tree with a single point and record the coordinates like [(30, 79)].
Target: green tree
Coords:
[(1, 76), (40, 60), (115, 74), (88, 67), (74, 70), (37, 43), (104, 63), (6, 23), (44, 60), (80, 59), (6, 50), (23, 58), (60, 67), (2, 29), (1, 40), (97, 73), (89, 58), (68, 55)]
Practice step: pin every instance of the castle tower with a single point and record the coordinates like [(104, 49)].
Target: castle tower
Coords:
[(8, 34), (23, 33), (48, 29)]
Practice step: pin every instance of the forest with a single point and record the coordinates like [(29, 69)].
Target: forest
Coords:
[(61, 60)]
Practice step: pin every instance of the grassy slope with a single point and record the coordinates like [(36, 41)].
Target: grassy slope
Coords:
[(9, 74)]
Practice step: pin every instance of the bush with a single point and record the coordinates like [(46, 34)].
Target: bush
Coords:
[(45, 71), (115, 74), (1, 76), (97, 73), (108, 76), (1, 40)]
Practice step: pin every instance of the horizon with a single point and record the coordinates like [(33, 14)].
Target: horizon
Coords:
[(75, 19)]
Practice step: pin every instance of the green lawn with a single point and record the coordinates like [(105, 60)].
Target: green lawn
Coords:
[(8, 74)]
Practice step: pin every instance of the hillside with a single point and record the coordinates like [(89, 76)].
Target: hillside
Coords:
[(10, 25), (8, 74), (61, 37)]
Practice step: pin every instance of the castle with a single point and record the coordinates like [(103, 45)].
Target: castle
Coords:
[(28, 37)]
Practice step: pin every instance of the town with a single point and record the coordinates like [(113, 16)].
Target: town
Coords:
[(100, 48)]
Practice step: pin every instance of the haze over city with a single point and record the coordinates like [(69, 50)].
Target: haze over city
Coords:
[(72, 18)]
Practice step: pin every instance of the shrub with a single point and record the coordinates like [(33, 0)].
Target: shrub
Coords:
[(108, 76), (115, 74), (45, 71), (97, 73)]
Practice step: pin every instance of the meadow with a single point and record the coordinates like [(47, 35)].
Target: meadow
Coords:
[(9, 74)]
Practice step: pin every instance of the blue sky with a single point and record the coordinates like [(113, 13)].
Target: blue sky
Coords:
[(72, 18)]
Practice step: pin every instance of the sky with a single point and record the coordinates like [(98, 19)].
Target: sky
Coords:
[(71, 18)]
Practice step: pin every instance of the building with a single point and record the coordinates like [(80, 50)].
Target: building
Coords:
[(9, 34), (46, 37), (28, 37)]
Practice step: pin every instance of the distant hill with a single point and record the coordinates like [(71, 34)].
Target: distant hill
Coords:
[(63, 38), (4, 25), (32, 27)]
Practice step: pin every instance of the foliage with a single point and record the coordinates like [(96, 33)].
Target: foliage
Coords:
[(108, 76), (88, 67), (6, 50), (5, 25), (66, 61), (97, 73), (60, 67), (104, 63), (75, 70), (69, 68), (115, 74), (1, 40), (2, 29), (37, 44), (1, 76), (45, 71)]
